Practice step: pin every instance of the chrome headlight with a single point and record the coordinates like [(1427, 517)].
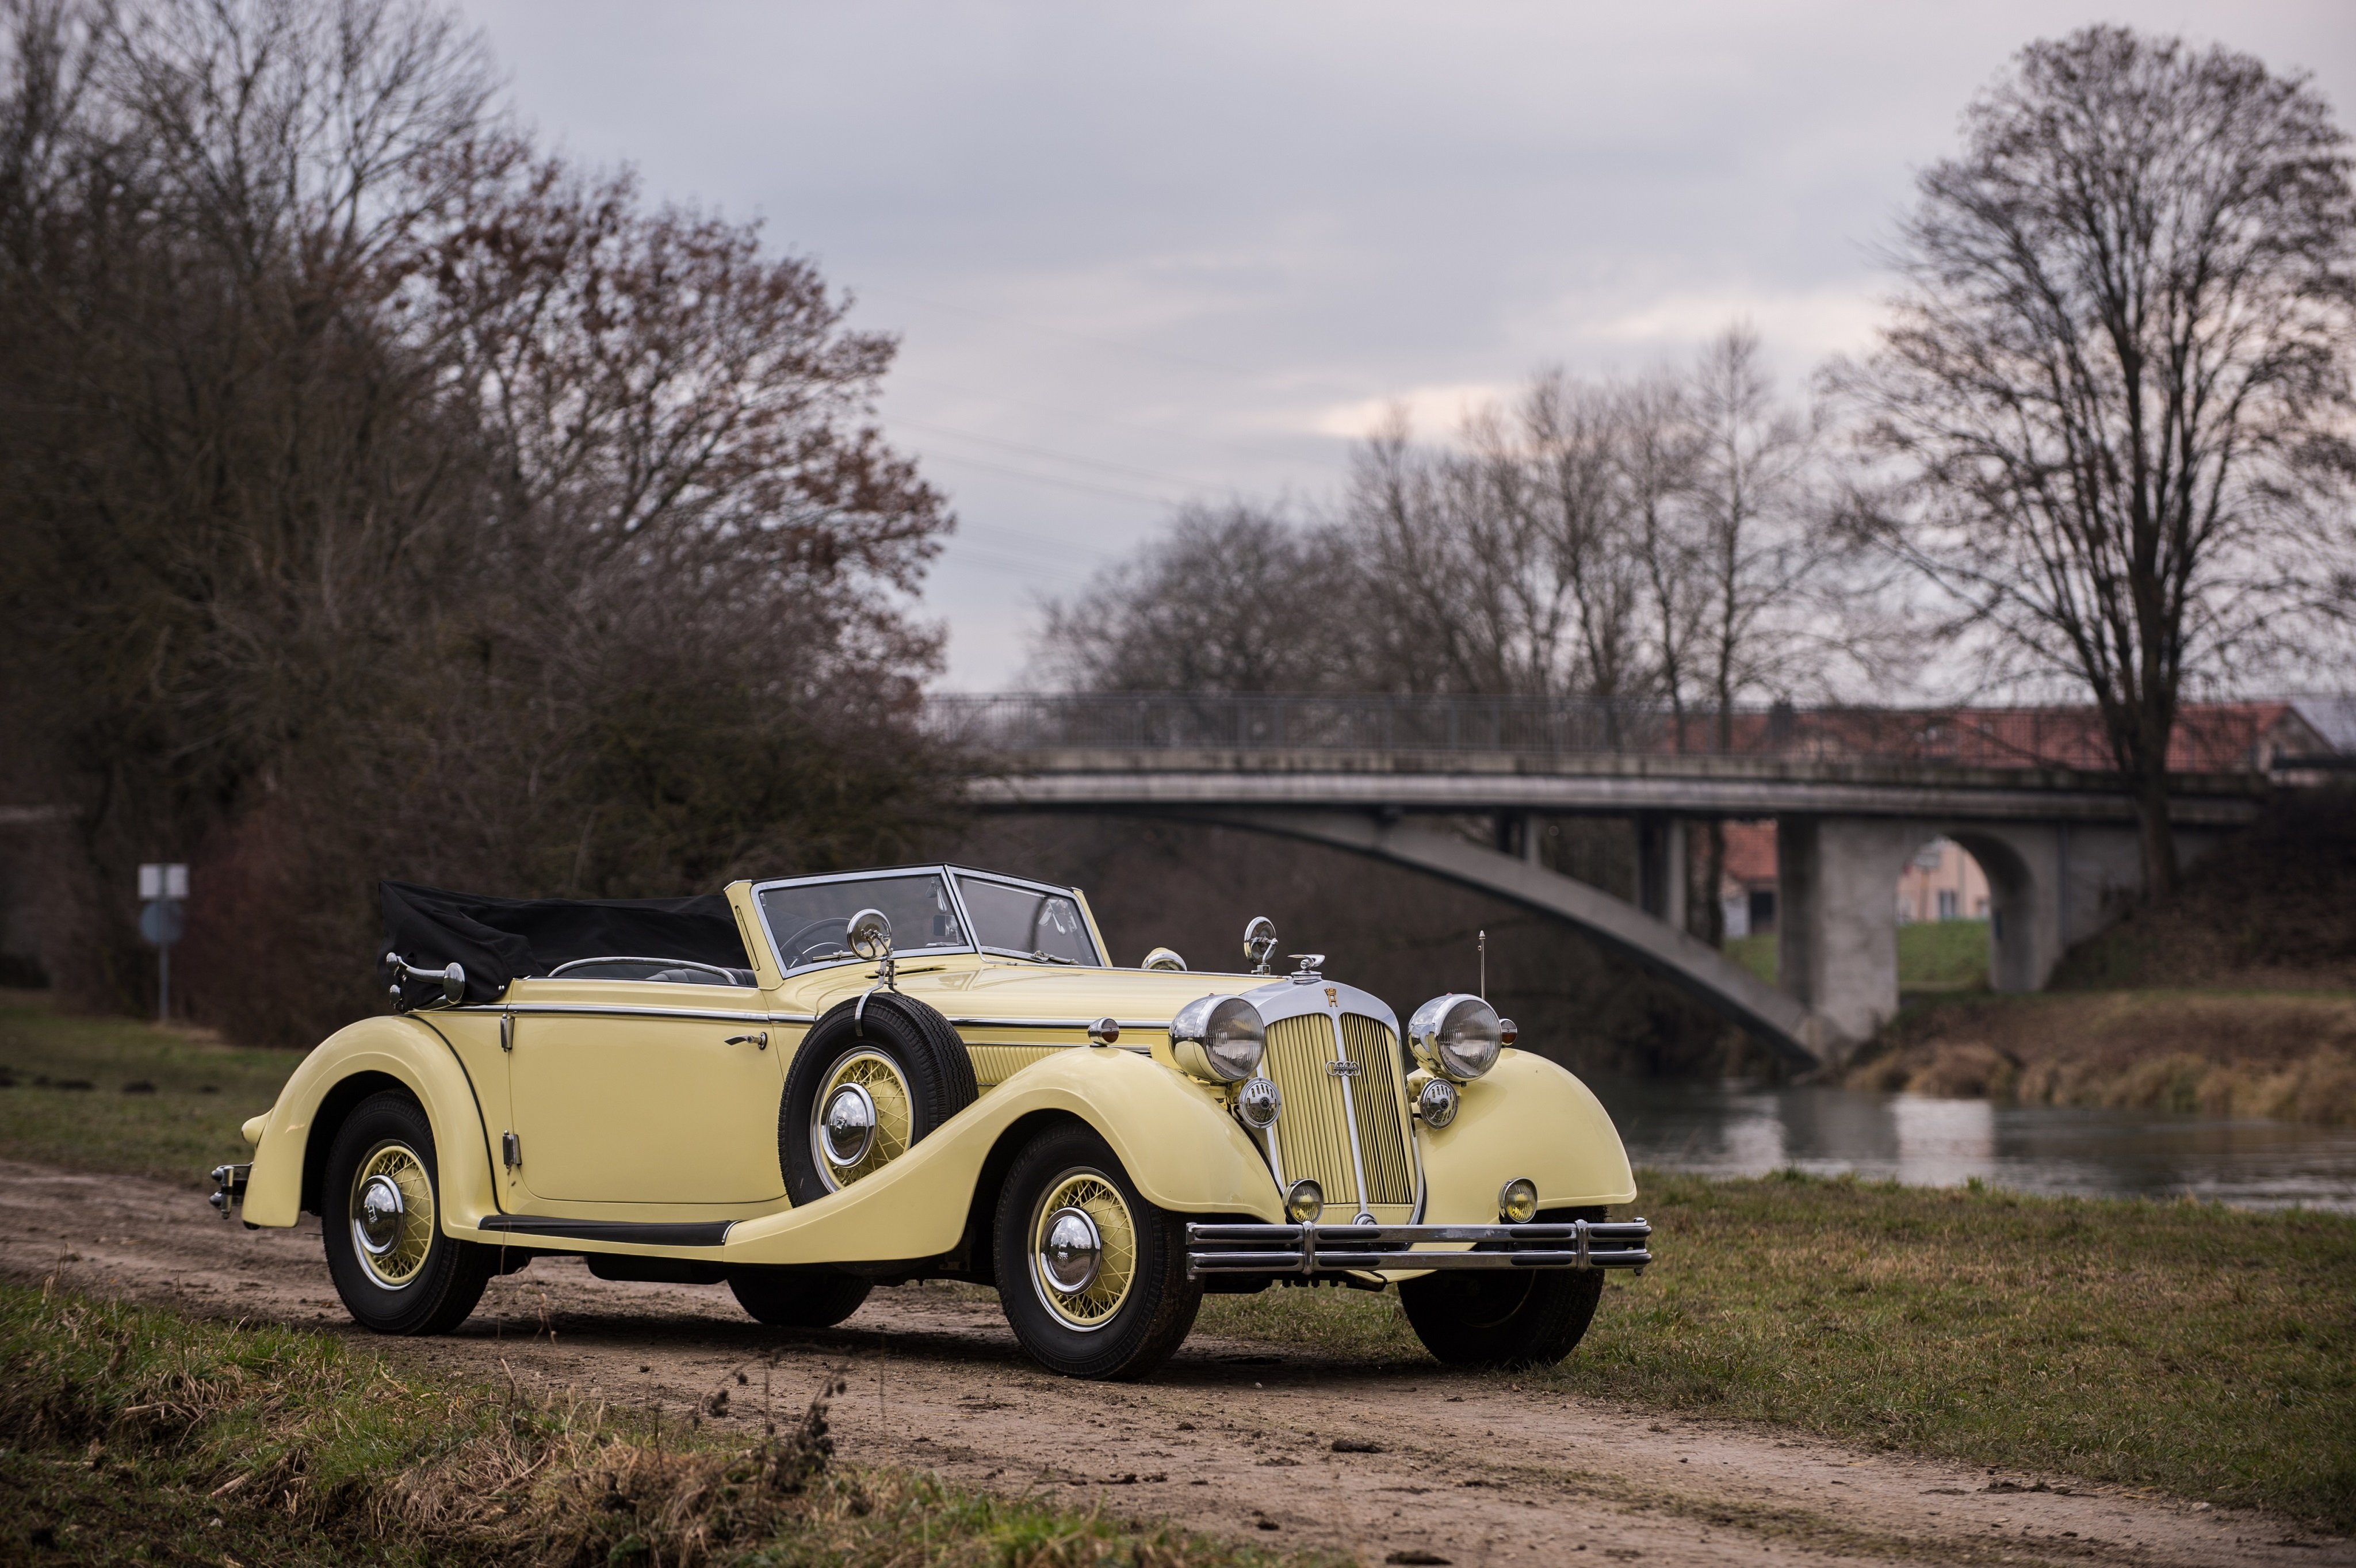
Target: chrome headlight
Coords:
[(1456, 1035), (1218, 1039)]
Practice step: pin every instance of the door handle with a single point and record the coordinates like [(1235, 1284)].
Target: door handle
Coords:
[(758, 1037)]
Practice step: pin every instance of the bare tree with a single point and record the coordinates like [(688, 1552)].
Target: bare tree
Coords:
[(2112, 413), (1233, 598)]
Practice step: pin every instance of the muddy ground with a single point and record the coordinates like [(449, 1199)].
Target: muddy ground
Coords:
[(1231, 1438)]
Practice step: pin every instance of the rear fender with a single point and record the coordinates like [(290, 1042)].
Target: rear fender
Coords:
[(1524, 1117), (343, 1069), (1178, 1144)]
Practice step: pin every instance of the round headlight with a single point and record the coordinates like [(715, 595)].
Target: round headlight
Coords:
[(1218, 1039), (1456, 1035)]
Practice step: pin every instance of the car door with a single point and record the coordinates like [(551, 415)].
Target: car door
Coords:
[(646, 1093)]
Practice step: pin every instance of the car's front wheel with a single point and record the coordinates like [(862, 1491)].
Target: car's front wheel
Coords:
[(1505, 1317), (380, 1219), (1092, 1277)]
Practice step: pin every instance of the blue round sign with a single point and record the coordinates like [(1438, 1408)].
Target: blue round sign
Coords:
[(160, 922)]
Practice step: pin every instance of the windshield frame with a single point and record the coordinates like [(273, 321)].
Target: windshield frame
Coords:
[(949, 874)]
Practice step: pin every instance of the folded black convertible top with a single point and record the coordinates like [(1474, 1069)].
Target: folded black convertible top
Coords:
[(500, 940)]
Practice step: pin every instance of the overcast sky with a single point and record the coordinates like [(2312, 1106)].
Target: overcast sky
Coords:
[(1141, 254)]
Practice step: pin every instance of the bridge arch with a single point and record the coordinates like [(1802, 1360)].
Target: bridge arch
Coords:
[(1785, 1026)]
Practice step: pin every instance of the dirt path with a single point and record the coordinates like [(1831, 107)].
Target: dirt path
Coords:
[(1231, 1438)]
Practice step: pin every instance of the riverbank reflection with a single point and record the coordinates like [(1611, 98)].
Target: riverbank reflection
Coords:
[(1720, 1129)]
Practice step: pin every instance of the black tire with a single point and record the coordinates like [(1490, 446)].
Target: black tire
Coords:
[(796, 1297), (388, 1138), (1150, 1317), (935, 1075), (1509, 1318)]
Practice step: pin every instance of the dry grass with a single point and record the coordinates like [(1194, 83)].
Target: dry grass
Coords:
[(2285, 1055), (268, 1446)]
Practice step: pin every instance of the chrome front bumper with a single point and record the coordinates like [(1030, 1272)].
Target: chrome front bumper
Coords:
[(1326, 1248)]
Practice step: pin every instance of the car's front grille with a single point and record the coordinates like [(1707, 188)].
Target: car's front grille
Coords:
[(1314, 1132)]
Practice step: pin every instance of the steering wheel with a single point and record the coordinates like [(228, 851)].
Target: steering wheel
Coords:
[(814, 939)]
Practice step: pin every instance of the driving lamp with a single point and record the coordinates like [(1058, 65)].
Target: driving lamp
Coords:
[(1456, 1035), (1218, 1039), (1517, 1201)]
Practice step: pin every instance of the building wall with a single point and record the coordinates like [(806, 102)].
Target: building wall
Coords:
[(1942, 883)]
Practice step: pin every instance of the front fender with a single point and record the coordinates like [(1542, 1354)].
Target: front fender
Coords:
[(414, 1054), (1525, 1117), (1182, 1149)]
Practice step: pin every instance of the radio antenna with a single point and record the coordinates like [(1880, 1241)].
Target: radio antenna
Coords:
[(1485, 964)]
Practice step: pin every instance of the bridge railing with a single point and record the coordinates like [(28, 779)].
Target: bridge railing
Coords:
[(2229, 737)]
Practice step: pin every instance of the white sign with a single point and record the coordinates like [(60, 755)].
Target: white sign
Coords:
[(163, 881)]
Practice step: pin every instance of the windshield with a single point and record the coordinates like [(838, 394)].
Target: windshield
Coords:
[(810, 920), (1026, 922)]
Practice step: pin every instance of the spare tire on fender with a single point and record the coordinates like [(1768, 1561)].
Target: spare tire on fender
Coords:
[(871, 1079)]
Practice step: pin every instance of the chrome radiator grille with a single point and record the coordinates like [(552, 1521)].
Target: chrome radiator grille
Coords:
[(1313, 1133)]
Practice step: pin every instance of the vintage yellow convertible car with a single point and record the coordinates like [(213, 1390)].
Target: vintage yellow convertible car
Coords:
[(807, 1087)]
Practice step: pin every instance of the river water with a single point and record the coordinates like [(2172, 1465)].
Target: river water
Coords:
[(1731, 1129)]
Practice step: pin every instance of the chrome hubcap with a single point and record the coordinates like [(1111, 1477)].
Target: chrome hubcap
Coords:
[(377, 1220), (1071, 1251), (850, 1125), (391, 1212)]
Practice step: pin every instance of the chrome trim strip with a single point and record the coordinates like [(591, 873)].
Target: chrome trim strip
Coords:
[(558, 973), (1079, 1024), (608, 1009), (1350, 1114)]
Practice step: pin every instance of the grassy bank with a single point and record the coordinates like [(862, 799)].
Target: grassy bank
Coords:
[(114, 1094), (2288, 1055), (2205, 1351), (141, 1436)]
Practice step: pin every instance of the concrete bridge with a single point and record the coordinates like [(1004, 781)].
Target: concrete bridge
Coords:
[(1457, 790)]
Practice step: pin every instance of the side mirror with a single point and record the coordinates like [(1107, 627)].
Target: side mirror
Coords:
[(1260, 943), (870, 935)]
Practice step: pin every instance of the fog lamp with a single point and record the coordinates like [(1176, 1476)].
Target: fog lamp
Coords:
[(1304, 1200), (1517, 1201)]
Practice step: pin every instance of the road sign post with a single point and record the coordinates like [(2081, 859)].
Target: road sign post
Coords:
[(163, 886)]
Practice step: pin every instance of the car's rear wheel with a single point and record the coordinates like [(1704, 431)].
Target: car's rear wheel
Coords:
[(797, 1298), (1505, 1317), (381, 1224), (1092, 1277)]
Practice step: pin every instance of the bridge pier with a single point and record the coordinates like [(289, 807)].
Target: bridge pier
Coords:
[(1661, 867), (2050, 884)]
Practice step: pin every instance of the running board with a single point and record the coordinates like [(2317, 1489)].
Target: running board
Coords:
[(621, 1233)]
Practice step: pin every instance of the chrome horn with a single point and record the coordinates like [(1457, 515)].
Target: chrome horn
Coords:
[(453, 978)]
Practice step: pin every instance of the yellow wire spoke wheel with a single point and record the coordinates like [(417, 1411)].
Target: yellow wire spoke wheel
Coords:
[(1083, 1249), (392, 1214), (861, 1119)]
